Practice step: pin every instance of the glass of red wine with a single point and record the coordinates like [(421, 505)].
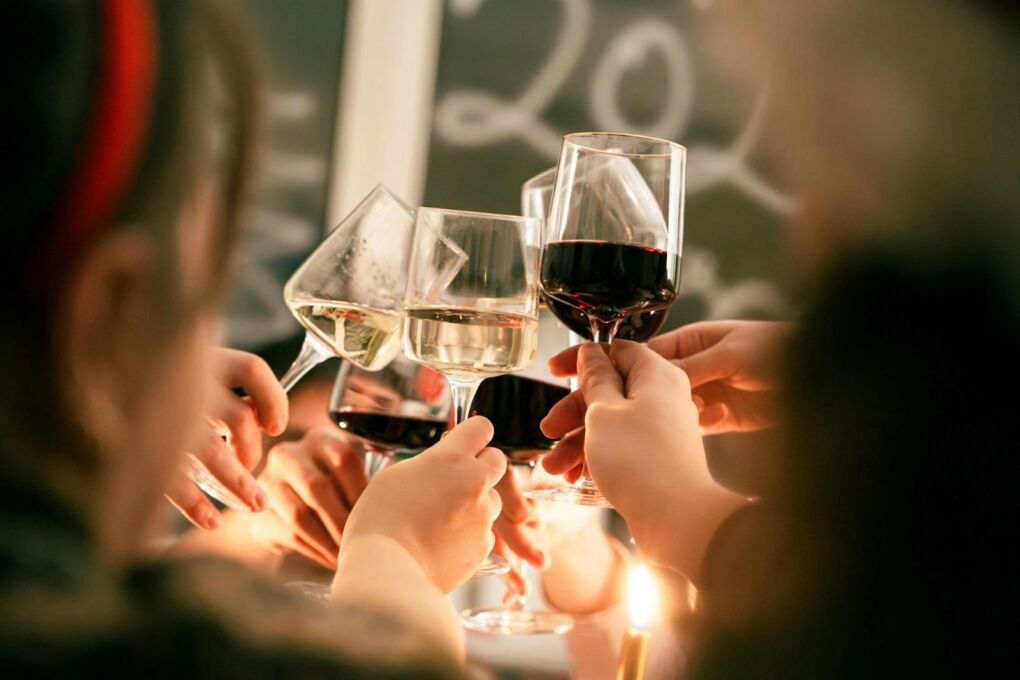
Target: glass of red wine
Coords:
[(515, 404), (400, 410), (614, 241), (536, 196)]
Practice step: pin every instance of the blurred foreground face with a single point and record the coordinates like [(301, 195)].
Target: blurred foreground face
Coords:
[(161, 391), (884, 115)]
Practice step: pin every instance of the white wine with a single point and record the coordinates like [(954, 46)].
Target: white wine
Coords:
[(470, 343), (365, 336)]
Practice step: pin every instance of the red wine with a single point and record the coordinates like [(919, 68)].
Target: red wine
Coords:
[(390, 432), (516, 406), (607, 280), (638, 327)]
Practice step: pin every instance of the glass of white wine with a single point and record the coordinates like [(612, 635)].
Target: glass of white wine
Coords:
[(348, 293), (348, 296), (471, 306)]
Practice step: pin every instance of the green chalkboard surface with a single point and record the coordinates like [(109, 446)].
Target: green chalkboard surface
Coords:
[(300, 44), (513, 77)]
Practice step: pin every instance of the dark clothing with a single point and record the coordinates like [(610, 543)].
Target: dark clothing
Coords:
[(63, 615), (887, 546)]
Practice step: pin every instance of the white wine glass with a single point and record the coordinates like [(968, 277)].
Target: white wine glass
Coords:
[(347, 295), (471, 306), (614, 241)]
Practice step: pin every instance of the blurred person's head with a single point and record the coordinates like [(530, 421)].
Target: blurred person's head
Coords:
[(891, 120), (893, 474), (127, 130)]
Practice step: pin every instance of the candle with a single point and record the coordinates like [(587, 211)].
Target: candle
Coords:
[(641, 597)]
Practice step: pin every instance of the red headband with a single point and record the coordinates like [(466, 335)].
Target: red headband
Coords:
[(115, 136)]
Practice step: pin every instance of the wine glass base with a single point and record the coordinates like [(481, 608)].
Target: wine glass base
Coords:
[(493, 565), (515, 621), (578, 495)]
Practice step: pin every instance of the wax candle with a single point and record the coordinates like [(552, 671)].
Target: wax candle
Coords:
[(641, 602)]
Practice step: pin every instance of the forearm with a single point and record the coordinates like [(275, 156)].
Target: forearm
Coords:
[(677, 531), (376, 573)]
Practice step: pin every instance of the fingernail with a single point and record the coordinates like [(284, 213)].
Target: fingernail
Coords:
[(212, 520), (543, 557), (280, 425), (699, 402), (259, 499)]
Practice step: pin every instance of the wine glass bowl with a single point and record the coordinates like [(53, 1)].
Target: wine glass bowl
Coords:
[(401, 409), (348, 293), (536, 197)]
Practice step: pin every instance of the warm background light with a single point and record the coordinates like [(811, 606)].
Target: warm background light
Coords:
[(642, 596)]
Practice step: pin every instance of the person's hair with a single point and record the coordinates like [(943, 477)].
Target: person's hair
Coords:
[(201, 105)]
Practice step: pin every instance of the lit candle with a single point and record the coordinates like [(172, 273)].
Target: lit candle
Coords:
[(641, 597)]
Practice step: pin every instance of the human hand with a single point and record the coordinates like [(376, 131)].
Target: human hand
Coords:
[(518, 531), (242, 420), (732, 367), (438, 506), (312, 484), (635, 425)]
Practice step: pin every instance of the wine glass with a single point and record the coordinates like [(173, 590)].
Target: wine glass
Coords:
[(397, 412), (347, 295), (536, 196), (401, 409), (471, 307), (515, 404), (614, 241)]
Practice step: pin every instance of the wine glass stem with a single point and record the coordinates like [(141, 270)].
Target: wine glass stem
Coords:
[(603, 332), (375, 461), (463, 393), (311, 355), (519, 601)]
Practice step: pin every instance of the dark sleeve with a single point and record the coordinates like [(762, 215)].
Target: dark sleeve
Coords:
[(757, 566), (209, 618)]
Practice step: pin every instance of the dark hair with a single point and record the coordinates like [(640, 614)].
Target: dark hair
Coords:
[(202, 86)]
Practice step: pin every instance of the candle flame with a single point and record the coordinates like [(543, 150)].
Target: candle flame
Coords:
[(641, 596)]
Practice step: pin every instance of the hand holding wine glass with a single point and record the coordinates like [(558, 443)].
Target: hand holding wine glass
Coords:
[(615, 238), (229, 446), (446, 491), (635, 399)]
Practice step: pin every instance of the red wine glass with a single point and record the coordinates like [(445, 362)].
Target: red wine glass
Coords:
[(515, 404), (402, 409), (614, 241)]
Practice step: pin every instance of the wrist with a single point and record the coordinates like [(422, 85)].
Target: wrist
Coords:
[(377, 572), (677, 530)]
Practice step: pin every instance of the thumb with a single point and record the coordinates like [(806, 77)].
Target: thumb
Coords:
[(645, 372), (599, 379), (464, 441)]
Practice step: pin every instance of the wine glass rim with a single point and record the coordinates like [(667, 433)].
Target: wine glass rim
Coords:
[(476, 213), (672, 146)]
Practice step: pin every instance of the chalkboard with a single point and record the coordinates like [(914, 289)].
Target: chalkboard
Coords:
[(300, 44), (513, 77)]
